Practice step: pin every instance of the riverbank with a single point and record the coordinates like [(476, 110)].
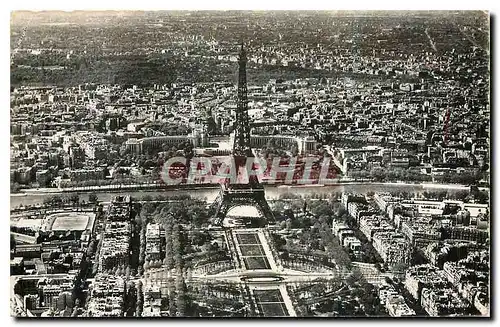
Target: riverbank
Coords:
[(111, 188), (160, 187), (210, 192)]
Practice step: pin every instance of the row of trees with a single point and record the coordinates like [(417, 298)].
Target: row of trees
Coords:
[(159, 197), (413, 175), (390, 175), (121, 270), (333, 247), (185, 210), (465, 178), (72, 199), (174, 262), (141, 222), (58, 200), (130, 299), (134, 299), (174, 249)]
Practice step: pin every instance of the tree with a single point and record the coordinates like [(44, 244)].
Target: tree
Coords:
[(180, 299), (69, 301), (65, 302), (283, 225), (93, 197), (355, 277), (53, 200), (61, 302), (140, 299), (289, 213), (131, 299), (12, 242), (74, 199), (400, 267), (171, 300)]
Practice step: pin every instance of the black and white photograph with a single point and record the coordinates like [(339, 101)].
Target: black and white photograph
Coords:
[(250, 164)]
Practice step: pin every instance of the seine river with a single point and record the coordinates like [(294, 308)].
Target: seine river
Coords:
[(272, 192)]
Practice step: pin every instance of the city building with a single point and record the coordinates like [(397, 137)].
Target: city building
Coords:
[(443, 302), (423, 276)]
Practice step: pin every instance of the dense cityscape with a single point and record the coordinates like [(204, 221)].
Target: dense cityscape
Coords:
[(370, 132)]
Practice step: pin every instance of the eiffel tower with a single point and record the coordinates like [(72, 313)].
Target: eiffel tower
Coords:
[(252, 192)]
